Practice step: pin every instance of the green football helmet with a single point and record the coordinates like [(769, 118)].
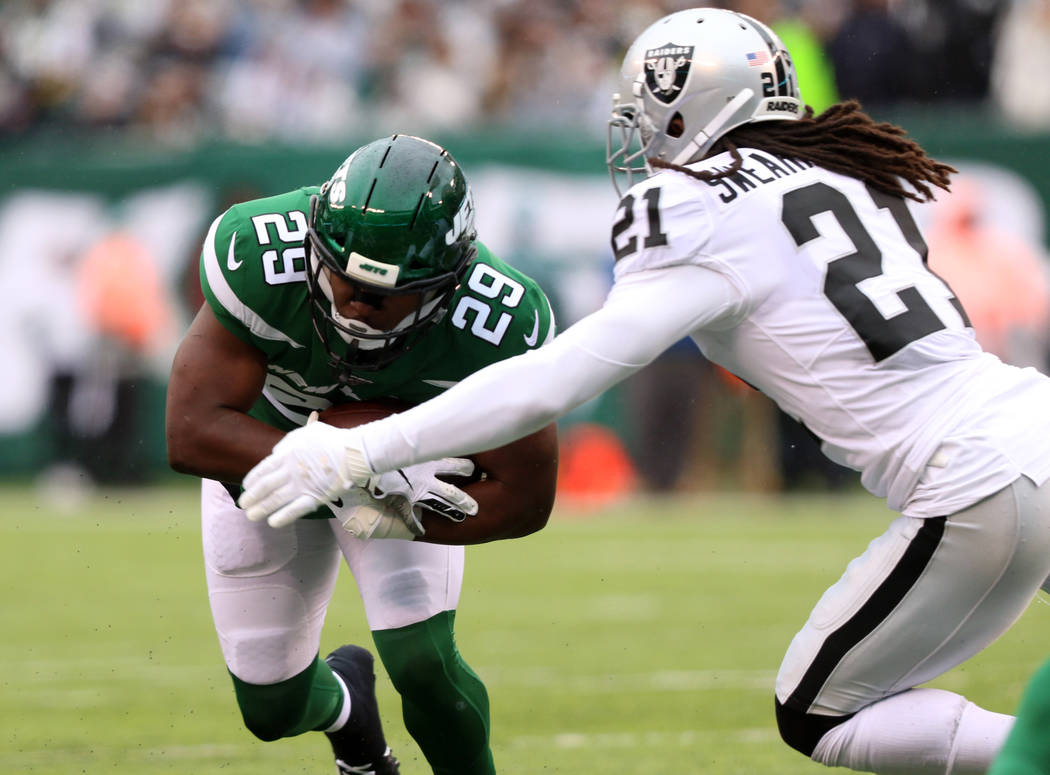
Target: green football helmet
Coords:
[(396, 218)]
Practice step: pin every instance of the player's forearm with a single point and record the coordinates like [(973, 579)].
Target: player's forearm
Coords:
[(223, 444), (492, 407), (509, 399)]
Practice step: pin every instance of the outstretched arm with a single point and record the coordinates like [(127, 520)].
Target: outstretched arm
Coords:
[(645, 314)]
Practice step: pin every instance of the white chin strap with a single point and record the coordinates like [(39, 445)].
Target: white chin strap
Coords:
[(360, 327), (382, 337), (703, 137)]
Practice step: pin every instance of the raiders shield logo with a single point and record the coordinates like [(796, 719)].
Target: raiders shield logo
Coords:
[(666, 70)]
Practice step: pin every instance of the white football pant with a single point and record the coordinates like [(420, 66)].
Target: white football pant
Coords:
[(269, 588), (924, 597)]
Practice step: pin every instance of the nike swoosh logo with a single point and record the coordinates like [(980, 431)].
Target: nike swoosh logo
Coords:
[(532, 338), (231, 262), (338, 503)]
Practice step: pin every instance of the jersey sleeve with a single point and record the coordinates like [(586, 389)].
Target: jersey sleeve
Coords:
[(219, 294), (252, 280), (662, 221)]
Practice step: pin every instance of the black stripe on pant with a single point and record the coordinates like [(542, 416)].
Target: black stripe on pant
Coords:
[(802, 730)]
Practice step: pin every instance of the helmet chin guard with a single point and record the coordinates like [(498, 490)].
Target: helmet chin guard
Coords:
[(690, 78)]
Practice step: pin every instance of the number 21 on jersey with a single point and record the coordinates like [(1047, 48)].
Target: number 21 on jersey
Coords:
[(654, 234), (854, 282)]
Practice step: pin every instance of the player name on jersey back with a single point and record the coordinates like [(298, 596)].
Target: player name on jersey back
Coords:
[(758, 168)]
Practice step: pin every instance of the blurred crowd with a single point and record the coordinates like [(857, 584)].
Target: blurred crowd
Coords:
[(186, 72), (181, 71)]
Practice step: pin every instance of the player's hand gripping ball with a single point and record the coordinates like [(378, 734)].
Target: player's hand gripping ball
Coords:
[(430, 486)]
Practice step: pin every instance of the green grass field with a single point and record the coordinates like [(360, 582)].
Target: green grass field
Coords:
[(643, 638)]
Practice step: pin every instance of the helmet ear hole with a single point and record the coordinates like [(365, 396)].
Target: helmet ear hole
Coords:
[(676, 126)]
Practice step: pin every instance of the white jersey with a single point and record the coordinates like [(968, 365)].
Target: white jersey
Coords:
[(841, 323), (809, 286)]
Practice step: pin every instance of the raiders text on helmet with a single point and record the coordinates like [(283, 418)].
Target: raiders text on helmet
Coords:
[(690, 78)]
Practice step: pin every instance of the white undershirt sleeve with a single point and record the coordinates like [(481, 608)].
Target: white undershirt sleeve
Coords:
[(645, 313)]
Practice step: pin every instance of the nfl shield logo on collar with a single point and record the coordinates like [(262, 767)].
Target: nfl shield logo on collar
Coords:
[(667, 70)]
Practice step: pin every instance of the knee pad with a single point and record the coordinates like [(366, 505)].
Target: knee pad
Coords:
[(266, 633), (802, 731)]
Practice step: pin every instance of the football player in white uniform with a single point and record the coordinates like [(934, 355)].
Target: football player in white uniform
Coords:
[(781, 242)]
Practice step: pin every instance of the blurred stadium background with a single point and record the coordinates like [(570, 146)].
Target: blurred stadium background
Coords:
[(125, 127)]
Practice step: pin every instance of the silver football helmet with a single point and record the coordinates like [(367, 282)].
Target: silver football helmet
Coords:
[(710, 69)]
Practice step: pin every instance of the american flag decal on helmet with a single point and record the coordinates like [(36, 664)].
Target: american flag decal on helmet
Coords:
[(757, 58)]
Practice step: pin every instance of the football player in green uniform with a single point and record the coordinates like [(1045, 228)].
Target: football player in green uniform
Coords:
[(371, 286), (1027, 747)]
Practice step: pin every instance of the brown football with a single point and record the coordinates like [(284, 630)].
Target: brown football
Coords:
[(513, 484), (354, 413)]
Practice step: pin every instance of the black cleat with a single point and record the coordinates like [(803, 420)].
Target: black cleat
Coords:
[(359, 747), (387, 765)]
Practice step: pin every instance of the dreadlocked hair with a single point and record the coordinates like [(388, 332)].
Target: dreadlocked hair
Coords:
[(843, 139)]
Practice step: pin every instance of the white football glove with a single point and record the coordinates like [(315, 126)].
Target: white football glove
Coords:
[(312, 466), (418, 487), (362, 516)]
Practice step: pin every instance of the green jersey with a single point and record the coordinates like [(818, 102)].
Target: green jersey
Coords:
[(253, 275)]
